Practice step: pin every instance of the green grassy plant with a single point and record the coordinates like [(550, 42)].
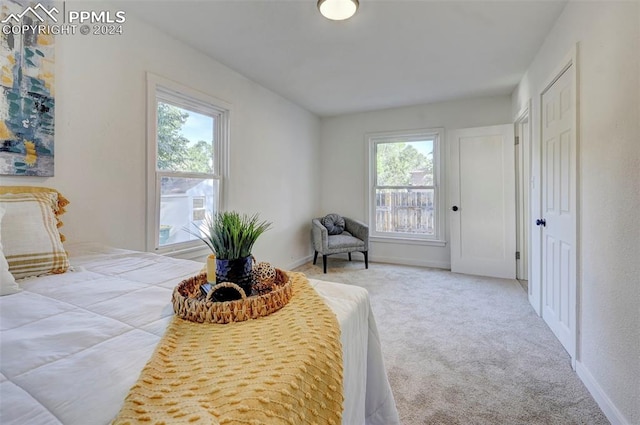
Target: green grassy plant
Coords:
[(229, 234)]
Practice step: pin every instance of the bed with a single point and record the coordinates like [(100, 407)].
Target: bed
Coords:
[(73, 344)]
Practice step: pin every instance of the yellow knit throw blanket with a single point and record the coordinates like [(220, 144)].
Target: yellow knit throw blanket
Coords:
[(285, 368)]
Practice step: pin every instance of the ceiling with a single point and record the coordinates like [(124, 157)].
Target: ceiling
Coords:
[(391, 53)]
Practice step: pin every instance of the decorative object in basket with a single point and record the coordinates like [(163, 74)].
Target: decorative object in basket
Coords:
[(190, 304), (231, 236), (264, 277)]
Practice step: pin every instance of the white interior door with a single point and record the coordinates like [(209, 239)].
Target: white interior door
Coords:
[(559, 221), (522, 196), (482, 198)]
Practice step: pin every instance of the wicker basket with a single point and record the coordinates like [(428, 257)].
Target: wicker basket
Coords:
[(190, 305)]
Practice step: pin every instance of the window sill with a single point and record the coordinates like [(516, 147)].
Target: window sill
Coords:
[(189, 252), (408, 241)]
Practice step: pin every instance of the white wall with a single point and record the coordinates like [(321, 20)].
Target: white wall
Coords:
[(281, 168), (100, 155), (608, 37), (344, 165)]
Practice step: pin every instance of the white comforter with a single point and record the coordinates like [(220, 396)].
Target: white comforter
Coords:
[(72, 345)]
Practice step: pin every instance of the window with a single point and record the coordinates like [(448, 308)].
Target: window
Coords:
[(187, 139), (404, 186)]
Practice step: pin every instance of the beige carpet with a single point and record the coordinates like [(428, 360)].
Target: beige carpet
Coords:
[(466, 350)]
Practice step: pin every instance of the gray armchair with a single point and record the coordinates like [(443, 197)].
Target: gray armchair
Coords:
[(355, 237)]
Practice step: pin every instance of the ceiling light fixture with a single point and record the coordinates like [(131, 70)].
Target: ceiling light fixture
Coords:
[(338, 10)]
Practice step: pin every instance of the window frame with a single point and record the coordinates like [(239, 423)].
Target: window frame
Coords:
[(372, 141), (160, 89)]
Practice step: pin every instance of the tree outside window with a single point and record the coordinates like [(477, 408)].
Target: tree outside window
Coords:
[(188, 133), (403, 183), (175, 151)]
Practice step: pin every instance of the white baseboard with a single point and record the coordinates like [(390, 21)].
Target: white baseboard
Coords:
[(376, 259), (608, 408), (410, 262), (300, 262)]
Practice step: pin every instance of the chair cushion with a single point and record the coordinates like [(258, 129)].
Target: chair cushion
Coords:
[(334, 223), (345, 240)]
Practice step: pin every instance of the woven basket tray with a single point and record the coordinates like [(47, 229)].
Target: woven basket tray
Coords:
[(190, 305)]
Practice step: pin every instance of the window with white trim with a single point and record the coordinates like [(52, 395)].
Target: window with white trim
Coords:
[(187, 139), (405, 199)]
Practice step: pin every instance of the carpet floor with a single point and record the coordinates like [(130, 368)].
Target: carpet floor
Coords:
[(465, 349)]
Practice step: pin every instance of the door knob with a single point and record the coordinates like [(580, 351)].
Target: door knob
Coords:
[(541, 222), (454, 208)]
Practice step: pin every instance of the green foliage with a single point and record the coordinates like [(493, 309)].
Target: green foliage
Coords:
[(199, 158), (396, 162), (175, 152), (229, 234)]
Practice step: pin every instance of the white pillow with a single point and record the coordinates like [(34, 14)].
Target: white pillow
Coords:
[(30, 237), (8, 284)]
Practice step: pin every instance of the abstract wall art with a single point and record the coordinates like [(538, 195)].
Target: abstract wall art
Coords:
[(26, 91)]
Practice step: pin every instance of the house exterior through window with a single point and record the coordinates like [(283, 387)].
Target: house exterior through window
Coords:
[(187, 139), (404, 186)]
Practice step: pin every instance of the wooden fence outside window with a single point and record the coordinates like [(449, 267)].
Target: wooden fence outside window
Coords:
[(405, 211)]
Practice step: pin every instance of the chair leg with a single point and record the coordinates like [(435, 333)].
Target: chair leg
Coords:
[(324, 263), (315, 258), (366, 259), (349, 256)]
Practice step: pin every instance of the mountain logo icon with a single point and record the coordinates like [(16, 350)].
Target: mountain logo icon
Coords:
[(39, 11)]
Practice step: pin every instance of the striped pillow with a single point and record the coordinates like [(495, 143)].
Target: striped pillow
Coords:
[(7, 281), (30, 237)]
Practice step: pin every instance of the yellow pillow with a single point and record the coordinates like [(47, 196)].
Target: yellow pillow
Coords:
[(58, 210), (31, 242), (7, 281)]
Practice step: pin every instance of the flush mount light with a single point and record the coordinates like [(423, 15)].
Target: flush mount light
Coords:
[(338, 10)]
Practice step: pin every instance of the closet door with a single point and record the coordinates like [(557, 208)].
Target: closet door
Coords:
[(482, 201)]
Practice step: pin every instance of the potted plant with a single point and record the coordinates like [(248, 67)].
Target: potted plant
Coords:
[(231, 236)]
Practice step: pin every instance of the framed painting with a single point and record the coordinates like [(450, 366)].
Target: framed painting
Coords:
[(26, 90)]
